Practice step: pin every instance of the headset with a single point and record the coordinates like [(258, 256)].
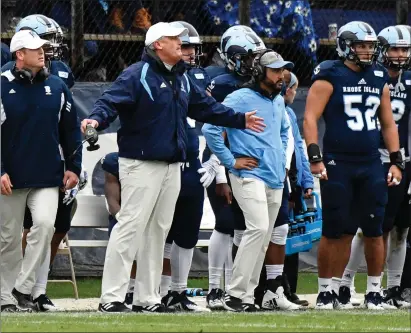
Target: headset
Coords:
[(26, 75), (258, 70)]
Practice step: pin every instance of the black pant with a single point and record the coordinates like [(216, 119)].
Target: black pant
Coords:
[(291, 270), (291, 261)]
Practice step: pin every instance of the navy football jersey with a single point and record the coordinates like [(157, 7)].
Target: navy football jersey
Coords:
[(214, 71), (351, 113), (199, 77), (401, 106), (57, 68), (110, 164), (224, 85), (5, 54)]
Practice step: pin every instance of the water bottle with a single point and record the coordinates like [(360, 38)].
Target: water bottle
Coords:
[(294, 226), (310, 214), (300, 224), (191, 292)]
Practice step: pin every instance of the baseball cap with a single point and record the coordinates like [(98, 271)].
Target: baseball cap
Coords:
[(26, 39), (272, 59), (163, 29)]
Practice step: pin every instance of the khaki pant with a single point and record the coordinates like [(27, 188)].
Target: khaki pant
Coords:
[(260, 205), (16, 271), (149, 192)]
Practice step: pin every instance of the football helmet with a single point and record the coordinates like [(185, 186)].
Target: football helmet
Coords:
[(238, 47), (191, 39), (395, 36), (357, 32)]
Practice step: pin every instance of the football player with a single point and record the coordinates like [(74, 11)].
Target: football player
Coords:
[(395, 53), (351, 94), (50, 30)]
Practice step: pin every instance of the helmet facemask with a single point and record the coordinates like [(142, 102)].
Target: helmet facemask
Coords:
[(241, 63), (396, 63), (356, 55)]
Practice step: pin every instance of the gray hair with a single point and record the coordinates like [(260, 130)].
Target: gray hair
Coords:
[(151, 46)]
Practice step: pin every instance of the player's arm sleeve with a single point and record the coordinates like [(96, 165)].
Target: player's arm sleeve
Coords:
[(290, 144), (206, 109), (70, 79), (70, 134), (122, 93), (284, 133)]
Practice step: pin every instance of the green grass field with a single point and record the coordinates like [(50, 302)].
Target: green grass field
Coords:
[(307, 321), (358, 320)]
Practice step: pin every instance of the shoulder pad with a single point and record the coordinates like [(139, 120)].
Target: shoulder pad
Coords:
[(226, 79), (324, 71)]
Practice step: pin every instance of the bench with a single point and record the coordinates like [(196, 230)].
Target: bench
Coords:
[(92, 213)]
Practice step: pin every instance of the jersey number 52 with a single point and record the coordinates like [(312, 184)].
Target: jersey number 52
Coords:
[(357, 123)]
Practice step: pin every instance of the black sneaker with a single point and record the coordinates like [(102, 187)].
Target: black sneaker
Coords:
[(166, 299), (325, 301), (12, 308), (24, 301), (180, 302), (214, 299), (394, 297), (233, 304), (43, 304), (344, 298), (129, 299), (156, 308), (249, 307), (296, 300), (373, 301), (113, 307)]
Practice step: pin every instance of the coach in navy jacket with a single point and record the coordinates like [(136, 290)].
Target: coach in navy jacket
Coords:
[(152, 103), (37, 117), (152, 98)]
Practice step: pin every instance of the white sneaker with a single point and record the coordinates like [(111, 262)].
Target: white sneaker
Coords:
[(278, 301), (355, 298)]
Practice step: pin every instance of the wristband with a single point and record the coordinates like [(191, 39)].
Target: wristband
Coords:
[(397, 160), (314, 153)]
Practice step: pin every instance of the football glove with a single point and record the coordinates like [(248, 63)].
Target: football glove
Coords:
[(209, 170), (70, 195)]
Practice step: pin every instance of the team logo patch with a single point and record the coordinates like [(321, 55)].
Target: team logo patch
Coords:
[(63, 74), (379, 73), (199, 76), (316, 70), (48, 90)]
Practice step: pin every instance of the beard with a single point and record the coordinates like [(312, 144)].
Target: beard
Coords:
[(275, 87)]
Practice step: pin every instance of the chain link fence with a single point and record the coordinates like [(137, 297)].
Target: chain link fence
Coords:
[(105, 36)]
